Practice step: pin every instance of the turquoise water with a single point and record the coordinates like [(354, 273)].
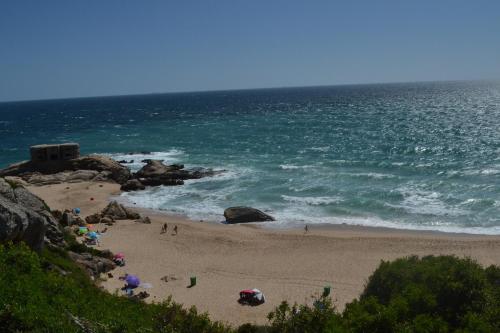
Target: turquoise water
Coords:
[(419, 156)]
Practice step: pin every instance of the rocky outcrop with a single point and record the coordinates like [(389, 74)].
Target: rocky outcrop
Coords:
[(100, 163), (144, 220), (77, 176), (160, 180), (132, 185), (113, 211), (155, 173), (245, 214), (118, 212), (94, 265), (91, 167), (155, 168), (25, 217)]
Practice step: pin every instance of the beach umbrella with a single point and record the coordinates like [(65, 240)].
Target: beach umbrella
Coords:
[(92, 235), (132, 281)]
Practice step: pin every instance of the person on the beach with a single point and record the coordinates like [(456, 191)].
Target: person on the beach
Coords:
[(306, 229), (164, 228), (175, 230)]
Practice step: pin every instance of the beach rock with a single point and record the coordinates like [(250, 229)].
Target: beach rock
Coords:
[(94, 265), (94, 218), (67, 218), (118, 172), (132, 185), (39, 179), (131, 215), (91, 167), (145, 220), (245, 214), (25, 217), (116, 211), (107, 220), (16, 181)]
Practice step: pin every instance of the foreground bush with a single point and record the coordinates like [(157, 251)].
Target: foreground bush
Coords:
[(36, 298), (432, 294)]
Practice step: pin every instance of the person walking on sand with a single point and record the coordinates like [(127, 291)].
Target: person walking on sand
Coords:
[(306, 229), (175, 230), (164, 228)]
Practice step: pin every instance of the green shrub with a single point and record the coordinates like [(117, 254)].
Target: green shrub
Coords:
[(432, 294), (322, 317)]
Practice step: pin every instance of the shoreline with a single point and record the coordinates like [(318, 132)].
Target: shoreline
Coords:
[(285, 264), (317, 226)]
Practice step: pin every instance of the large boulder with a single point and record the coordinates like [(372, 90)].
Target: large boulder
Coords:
[(245, 214), (111, 213), (25, 217), (155, 173), (155, 168), (106, 168), (132, 185)]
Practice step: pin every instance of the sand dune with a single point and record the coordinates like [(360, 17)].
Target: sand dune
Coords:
[(284, 264)]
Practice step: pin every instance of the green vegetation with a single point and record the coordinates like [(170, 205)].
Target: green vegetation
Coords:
[(47, 292), (36, 298)]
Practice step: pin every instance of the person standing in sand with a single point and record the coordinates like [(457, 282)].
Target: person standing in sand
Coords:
[(164, 228), (175, 230), (306, 229)]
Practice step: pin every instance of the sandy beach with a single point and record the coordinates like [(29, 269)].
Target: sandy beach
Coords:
[(285, 264)]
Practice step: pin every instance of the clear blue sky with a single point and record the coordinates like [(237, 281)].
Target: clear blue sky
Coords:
[(52, 49)]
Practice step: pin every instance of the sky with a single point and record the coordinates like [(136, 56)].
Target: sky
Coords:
[(59, 49)]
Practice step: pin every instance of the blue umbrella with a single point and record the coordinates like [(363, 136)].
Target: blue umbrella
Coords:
[(92, 235), (132, 281)]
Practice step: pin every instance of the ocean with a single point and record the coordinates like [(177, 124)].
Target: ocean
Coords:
[(410, 156)]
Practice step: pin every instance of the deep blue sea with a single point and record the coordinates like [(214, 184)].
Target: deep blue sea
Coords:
[(414, 156)]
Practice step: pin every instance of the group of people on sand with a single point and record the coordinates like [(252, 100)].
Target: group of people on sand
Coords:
[(164, 229)]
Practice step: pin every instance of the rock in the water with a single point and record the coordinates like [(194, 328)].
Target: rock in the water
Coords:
[(245, 214), (132, 185), (155, 168), (165, 181), (25, 217)]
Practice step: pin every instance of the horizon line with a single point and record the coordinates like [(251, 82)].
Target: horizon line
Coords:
[(244, 89)]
